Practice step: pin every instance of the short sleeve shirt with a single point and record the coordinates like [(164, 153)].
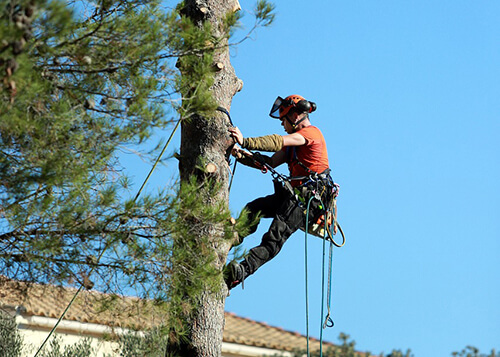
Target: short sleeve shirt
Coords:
[(313, 154)]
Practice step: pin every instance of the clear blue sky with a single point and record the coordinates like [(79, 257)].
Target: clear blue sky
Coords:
[(408, 96), (408, 99)]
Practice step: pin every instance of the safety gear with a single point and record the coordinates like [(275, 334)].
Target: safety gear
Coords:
[(234, 274), (272, 143), (281, 106)]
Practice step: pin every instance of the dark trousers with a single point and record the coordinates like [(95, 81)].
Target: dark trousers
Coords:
[(287, 218)]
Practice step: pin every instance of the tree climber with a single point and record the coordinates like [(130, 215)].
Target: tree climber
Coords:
[(304, 150)]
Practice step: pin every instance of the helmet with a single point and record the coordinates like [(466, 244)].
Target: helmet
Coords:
[(281, 106)]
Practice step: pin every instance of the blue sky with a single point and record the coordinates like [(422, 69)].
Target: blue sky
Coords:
[(408, 99)]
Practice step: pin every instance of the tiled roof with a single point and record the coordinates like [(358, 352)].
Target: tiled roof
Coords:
[(89, 306), (50, 301), (259, 334)]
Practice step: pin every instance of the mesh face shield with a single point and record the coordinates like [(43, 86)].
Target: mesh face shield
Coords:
[(282, 106), (275, 110)]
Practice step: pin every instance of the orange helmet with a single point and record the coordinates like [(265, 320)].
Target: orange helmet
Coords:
[(281, 106)]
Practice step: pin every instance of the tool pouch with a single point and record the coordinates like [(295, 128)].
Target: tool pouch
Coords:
[(320, 195)]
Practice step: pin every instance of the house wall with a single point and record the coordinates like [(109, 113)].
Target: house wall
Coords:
[(33, 339), (35, 330)]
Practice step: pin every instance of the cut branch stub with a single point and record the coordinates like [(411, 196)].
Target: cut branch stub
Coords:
[(210, 168)]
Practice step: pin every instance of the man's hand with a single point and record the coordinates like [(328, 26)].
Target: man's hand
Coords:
[(258, 157), (237, 152), (236, 135)]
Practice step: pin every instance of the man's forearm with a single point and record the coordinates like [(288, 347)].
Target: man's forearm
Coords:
[(270, 143), (248, 160)]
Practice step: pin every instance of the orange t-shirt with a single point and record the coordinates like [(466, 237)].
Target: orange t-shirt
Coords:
[(313, 154)]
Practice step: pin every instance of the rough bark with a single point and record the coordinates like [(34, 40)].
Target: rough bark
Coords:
[(206, 141)]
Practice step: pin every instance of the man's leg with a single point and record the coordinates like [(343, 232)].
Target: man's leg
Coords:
[(288, 219), (286, 222), (263, 207)]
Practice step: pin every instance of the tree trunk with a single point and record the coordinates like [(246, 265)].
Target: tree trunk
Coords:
[(205, 142)]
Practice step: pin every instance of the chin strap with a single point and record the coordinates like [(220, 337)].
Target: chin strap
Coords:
[(295, 125), (300, 121)]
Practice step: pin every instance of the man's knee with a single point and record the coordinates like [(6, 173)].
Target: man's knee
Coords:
[(248, 221)]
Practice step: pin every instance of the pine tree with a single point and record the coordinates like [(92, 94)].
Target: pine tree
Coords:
[(11, 342), (79, 82), (203, 163)]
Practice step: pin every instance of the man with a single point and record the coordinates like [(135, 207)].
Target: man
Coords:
[(304, 150)]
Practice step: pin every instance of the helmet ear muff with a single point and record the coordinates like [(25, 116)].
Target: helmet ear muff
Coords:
[(305, 106)]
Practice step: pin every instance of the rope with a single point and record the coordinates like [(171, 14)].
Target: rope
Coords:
[(306, 274), (67, 307), (106, 247), (328, 322), (157, 160), (232, 176), (225, 111), (322, 288)]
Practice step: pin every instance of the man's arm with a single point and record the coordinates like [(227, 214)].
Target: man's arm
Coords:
[(278, 158), (273, 142), (294, 139), (246, 159)]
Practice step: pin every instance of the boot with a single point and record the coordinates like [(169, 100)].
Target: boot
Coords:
[(234, 273)]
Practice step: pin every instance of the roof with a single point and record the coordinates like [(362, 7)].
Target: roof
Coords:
[(90, 307)]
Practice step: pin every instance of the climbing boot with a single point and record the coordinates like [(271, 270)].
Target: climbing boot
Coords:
[(234, 273)]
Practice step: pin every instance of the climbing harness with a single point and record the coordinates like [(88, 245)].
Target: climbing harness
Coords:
[(312, 194), (314, 186), (321, 185)]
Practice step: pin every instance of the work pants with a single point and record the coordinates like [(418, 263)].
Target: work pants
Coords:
[(287, 216)]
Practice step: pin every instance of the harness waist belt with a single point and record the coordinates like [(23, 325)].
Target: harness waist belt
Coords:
[(324, 175)]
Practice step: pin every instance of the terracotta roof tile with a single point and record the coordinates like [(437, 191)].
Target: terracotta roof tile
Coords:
[(50, 301)]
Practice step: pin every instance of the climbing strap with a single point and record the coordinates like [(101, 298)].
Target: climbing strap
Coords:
[(225, 111)]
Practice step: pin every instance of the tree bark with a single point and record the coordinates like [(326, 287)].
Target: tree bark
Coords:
[(206, 141)]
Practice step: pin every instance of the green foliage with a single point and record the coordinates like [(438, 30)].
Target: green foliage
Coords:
[(196, 67), (194, 254), (399, 353), (11, 341), (80, 82), (471, 351), (146, 344), (344, 349), (82, 348), (264, 12)]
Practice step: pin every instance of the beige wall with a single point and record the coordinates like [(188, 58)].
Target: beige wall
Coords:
[(33, 339), (34, 333), (35, 330)]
